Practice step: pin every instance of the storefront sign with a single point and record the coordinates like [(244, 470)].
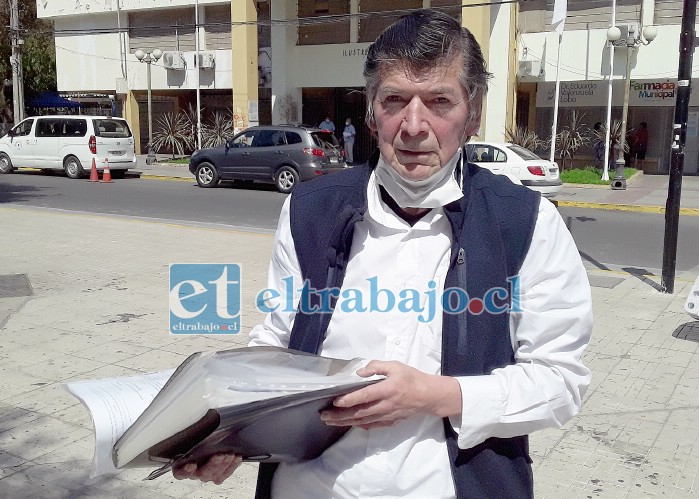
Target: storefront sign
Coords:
[(355, 52), (642, 93), (652, 91)]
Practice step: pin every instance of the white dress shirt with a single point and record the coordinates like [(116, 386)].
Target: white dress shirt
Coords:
[(543, 389)]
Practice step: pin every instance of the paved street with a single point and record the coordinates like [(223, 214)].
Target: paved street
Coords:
[(88, 299)]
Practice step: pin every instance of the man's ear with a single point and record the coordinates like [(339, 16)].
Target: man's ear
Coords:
[(371, 123), (472, 128)]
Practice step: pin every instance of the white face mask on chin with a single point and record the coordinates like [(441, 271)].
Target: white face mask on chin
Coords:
[(437, 190)]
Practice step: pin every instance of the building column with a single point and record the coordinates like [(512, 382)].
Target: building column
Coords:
[(132, 115), (244, 63), (477, 21), (493, 27), (286, 96), (354, 21)]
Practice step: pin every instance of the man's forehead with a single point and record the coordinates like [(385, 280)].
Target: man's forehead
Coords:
[(437, 79)]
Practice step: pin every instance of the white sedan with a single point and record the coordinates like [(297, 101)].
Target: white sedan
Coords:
[(517, 162)]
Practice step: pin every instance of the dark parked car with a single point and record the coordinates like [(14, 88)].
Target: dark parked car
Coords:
[(282, 154)]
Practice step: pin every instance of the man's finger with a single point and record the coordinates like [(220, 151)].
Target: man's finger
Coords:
[(235, 461), (184, 472)]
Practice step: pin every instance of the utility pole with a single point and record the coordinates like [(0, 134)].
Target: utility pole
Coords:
[(679, 135), (16, 63)]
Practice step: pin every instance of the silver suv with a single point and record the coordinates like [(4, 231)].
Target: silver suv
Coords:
[(283, 154)]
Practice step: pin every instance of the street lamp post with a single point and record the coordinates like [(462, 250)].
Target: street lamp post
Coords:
[(631, 42), (149, 58)]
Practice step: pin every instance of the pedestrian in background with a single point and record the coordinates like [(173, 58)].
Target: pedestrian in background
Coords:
[(327, 124), (640, 144), (599, 145), (348, 135)]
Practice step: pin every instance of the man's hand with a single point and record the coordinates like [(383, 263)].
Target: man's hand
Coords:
[(216, 469), (404, 393)]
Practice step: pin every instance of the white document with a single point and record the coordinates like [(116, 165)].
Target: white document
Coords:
[(114, 404)]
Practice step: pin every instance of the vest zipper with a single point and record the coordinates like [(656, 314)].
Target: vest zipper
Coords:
[(460, 258)]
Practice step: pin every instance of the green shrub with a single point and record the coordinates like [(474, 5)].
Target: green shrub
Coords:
[(591, 175)]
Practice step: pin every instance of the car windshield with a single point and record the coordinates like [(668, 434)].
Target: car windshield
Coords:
[(325, 139), (117, 129), (522, 152)]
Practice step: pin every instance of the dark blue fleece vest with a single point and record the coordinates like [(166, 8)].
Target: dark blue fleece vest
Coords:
[(492, 227)]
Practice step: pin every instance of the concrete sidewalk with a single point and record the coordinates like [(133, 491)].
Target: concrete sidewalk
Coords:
[(85, 297)]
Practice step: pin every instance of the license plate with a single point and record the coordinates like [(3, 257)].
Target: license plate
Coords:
[(333, 160), (117, 153)]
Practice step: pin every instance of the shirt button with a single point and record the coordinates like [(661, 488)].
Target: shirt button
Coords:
[(396, 341)]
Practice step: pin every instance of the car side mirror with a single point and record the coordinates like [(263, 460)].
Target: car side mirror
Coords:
[(10, 133)]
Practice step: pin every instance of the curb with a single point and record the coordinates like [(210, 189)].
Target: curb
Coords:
[(692, 212), (167, 177)]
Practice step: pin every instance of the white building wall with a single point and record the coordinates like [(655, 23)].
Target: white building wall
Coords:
[(342, 65), (90, 62), (87, 61), (585, 56), (61, 8)]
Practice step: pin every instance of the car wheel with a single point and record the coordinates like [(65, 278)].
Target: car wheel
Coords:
[(73, 167), (206, 175), (5, 163), (286, 179)]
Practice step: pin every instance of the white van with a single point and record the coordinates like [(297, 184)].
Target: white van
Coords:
[(69, 143)]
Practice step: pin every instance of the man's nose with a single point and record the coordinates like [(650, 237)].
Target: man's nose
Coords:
[(415, 117)]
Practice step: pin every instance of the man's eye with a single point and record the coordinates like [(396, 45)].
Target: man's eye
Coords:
[(441, 101), (393, 99)]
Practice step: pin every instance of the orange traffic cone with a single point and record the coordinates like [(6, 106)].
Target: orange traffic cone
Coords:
[(94, 177), (106, 174)]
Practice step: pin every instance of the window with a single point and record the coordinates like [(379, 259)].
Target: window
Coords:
[(293, 138), (116, 129), (243, 140), (49, 127), (322, 6), (278, 139), (75, 128), (23, 128), (499, 156), (325, 139), (485, 154), (323, 33), (264, 138), (523, 153)]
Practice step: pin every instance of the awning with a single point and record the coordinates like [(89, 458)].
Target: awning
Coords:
[(52, 100)]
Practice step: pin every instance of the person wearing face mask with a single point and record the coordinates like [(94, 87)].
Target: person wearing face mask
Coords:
[(463, 388), (348, 135)]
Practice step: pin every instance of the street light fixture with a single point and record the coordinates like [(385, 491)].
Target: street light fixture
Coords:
[(149, 58), (631, 41)]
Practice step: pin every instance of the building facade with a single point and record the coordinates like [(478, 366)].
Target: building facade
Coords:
[(96, 41), (585, 72), (280, 61)]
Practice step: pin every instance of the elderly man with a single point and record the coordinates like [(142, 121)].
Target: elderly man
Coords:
[(464, 387)]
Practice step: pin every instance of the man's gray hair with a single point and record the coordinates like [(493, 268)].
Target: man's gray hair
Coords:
[(423, 40)]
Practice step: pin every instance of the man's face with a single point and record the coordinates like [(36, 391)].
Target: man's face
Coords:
[(421, 120)]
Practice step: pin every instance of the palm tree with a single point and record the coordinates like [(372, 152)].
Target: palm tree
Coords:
[(525, 138), (571, 138), (219, 129), (171, 133)]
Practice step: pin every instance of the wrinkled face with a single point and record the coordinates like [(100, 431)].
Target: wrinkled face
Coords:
[(421, 120)]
